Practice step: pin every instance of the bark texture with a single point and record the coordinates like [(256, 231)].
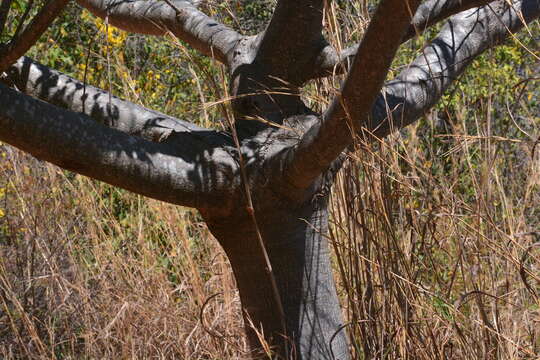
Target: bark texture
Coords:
[(179, 17), (299, 254)]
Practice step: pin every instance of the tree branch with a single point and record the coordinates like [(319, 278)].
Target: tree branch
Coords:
[(52, 86), (466, 36), (187, 172), (323, 143), (293, 37), (4, 11), (19, 45), (420, 86), (434, 11), (428, 14), (157, 18)]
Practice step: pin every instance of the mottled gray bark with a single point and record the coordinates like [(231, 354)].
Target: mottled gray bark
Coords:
[(52, 86), (462, 39), (350, 108), (182, 20), (404, 99), (298, 250), (430, 12), (289, 168), (185, 170)]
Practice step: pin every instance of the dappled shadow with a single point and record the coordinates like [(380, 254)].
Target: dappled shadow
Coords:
[(190, 167)]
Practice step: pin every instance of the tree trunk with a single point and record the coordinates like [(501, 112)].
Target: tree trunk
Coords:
[(298, 251)]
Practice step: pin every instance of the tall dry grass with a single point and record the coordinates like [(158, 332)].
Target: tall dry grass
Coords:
[(88, 271), (431, 271), (436, 231)]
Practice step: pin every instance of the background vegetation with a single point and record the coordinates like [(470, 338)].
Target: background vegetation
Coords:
[(435, 230)]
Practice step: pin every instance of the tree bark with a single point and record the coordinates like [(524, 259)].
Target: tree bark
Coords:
[(298, 250), (178, 17)]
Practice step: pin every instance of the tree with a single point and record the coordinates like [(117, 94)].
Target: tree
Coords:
[(262, 187)]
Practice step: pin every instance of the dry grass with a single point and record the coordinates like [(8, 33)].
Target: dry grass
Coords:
[(431, 264), (87, 271), (436, 231), (432, 268)]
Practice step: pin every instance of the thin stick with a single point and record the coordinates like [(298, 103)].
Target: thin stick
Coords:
[(251, 211)]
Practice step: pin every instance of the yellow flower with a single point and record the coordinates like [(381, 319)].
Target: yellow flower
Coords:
[(115, 36)]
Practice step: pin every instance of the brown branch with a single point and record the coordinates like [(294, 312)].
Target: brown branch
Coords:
[(404, 99), (428, 14), (4, 11), (19, 45), (292, 39)]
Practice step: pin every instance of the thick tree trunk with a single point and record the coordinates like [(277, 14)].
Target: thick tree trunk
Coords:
[(299, 254)]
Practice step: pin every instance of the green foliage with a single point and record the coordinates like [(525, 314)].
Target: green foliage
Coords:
[(253, 15)]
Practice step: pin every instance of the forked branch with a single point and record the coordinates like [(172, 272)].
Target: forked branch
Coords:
[(466, 36), (187, 172), (434, 11), (182, 19), (429, 13), (404, 99), (323, 143)]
